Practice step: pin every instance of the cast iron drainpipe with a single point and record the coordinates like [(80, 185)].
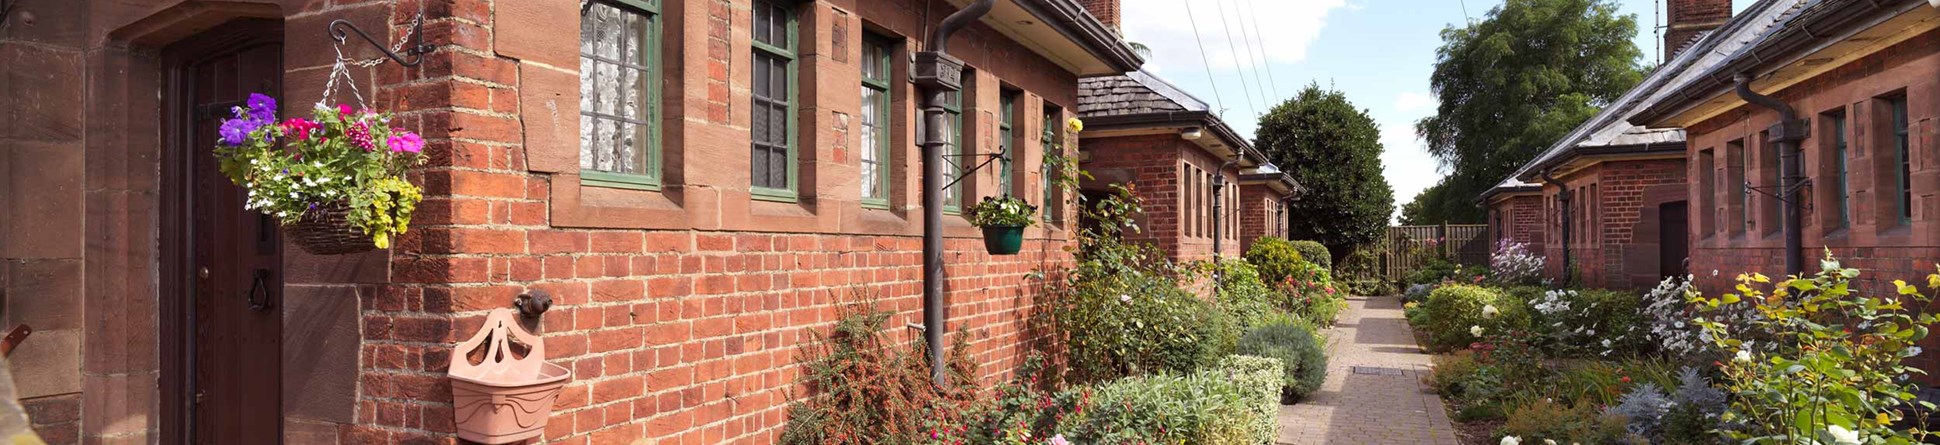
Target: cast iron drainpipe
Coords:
[(1787, 133), (1563, 196), (939, 74), (1218, 218)]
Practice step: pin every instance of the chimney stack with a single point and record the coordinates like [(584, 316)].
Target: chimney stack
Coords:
[(1107, 11), (1689, 18)]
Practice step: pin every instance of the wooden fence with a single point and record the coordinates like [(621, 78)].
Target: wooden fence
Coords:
[(1408, 247)]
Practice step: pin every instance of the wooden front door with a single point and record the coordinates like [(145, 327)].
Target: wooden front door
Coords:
[(223, 270), (1673, 228)]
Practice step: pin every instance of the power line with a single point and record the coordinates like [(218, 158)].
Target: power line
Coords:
[(1261, 42), (1202, 57), (1246, 39), (1239, 69)]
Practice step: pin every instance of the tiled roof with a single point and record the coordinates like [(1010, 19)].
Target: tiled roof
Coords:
[(1132, 93)]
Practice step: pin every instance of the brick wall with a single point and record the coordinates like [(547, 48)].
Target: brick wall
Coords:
[(1170, 176), (1107, 11), (1688, 18), (1520, 218), (1260, 214), (1614, 240)]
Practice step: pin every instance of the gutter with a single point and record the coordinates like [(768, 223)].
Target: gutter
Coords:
[(1078, 25), (1201, 118), (1601, 150), (1825, 20)]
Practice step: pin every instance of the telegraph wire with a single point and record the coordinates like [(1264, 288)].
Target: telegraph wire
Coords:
[(1261, 42), (1202, 57), (1240, 70)]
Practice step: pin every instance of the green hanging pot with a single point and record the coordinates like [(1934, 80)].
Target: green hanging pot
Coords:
[(1003, 240)]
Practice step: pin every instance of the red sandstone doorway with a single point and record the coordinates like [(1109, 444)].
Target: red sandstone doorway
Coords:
[(221, 271), (1673, 229)]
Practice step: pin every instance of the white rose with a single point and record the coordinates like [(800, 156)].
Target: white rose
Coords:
[(1744, 356), (1842, 436), (1489, 311), (1511, 440), (1475, 331)]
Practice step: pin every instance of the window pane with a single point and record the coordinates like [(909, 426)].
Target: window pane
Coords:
[(616, 121)]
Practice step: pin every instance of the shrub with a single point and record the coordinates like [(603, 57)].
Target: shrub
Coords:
[(1513, 263), (1276, 258), (1245, 299), (1022, 411), (1365, 286), (1453, 311), (1418, 292), (1310, 293), (1138, 323), (1221, 406), (1546, 420), (1316, 253), (1686, 415), (1833, 369), (1301, 352), (1437, 270), (1588, 323), (866, 389)]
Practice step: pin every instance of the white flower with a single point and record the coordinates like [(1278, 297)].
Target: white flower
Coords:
[(1842, 436), (1489, 311), (1549, 442), (1475, 331), (1743, 356), (1511, 440), (1122, 298)]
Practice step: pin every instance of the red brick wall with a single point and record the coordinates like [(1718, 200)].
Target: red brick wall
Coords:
[(1518, 217), (1688, 18), (1875, 240), (1614, 241), (1260, 214), (1107, 11), (1161, 168)]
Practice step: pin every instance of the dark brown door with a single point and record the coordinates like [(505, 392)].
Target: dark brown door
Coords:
[(1674, 245), (226, 277)]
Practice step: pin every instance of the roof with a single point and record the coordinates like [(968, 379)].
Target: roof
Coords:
[(1776, 38), (1139, 99), (1611, 129), (1063, 31), (1270, 175)]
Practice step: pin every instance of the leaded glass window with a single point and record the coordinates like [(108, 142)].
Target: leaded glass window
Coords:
[(772, 154), (618, 94)]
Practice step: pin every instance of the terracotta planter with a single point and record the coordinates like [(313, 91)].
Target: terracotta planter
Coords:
[(498, 395)]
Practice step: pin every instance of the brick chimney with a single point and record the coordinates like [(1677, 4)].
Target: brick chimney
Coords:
[(1690, 18), (1107, 11)]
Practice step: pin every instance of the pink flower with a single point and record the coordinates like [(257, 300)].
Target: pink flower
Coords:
[(300, 126), (344, 109), (1059, 440), (406, 142), (360, 136)]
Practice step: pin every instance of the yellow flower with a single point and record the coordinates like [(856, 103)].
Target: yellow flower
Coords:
[(1075, 125)]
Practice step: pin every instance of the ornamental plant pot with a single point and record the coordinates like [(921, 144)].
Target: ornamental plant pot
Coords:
[(327, 231), (499, 395), (1003, 240)]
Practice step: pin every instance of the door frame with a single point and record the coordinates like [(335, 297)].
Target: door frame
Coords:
[(177, 313)]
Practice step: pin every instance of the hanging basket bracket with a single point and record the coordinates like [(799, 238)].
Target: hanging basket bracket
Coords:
[(342, 29)]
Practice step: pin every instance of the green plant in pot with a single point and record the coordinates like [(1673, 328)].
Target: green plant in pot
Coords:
[(1003, 219)]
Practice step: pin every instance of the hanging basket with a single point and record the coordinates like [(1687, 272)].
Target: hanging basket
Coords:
[(507, 396), (1003, 240), (327, 231)]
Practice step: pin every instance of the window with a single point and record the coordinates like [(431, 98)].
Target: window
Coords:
[(619, 111), (1771, 165), (953, 168), (1708, 212), (1048, 139), (1841, 194), (1741, 156), (875, 120), (1004, 135), (772, 160), (1903, 160)]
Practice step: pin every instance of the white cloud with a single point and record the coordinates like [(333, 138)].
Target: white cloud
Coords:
[(1286, 29)]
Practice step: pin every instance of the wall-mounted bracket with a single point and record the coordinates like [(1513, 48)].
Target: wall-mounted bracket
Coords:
[(1005, 155), (341, 29), (533, 303)]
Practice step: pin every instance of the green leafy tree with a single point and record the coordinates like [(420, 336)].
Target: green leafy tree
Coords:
[(1514, 83), (1334, 150)]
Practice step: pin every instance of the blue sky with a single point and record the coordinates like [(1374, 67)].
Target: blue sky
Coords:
[(1380, 52)]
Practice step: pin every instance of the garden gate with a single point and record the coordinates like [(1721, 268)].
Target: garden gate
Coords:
[(1408, 247)]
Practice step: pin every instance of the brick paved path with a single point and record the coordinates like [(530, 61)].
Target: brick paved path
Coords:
[(1373, 393)]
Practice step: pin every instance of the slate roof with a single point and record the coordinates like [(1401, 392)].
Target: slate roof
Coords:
[(1136, 92), (1610, 127)]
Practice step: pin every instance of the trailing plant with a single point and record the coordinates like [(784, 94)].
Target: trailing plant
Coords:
[(1834, 369), (338, 160), (864, 388), (1301, 351), (1004, 211)]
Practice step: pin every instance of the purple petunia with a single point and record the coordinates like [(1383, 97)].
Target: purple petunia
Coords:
[(262, 107), (406, 142), (236, 131)]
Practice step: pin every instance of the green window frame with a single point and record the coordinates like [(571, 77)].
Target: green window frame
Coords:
[(1004, 135), (876, 99), (1841, 188), (1744, 191), (1902, 159), (619, 124), (952, 149), (773, 156)]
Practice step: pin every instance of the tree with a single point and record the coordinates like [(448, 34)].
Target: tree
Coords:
[(1513, 84), (1334, 150)]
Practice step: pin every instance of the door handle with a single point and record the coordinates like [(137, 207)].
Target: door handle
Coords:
[(258, 297)]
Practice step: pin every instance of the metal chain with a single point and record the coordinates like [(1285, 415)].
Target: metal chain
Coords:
[(341, 68)]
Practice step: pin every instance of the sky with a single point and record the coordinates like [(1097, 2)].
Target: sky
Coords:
[(1379, 52)]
